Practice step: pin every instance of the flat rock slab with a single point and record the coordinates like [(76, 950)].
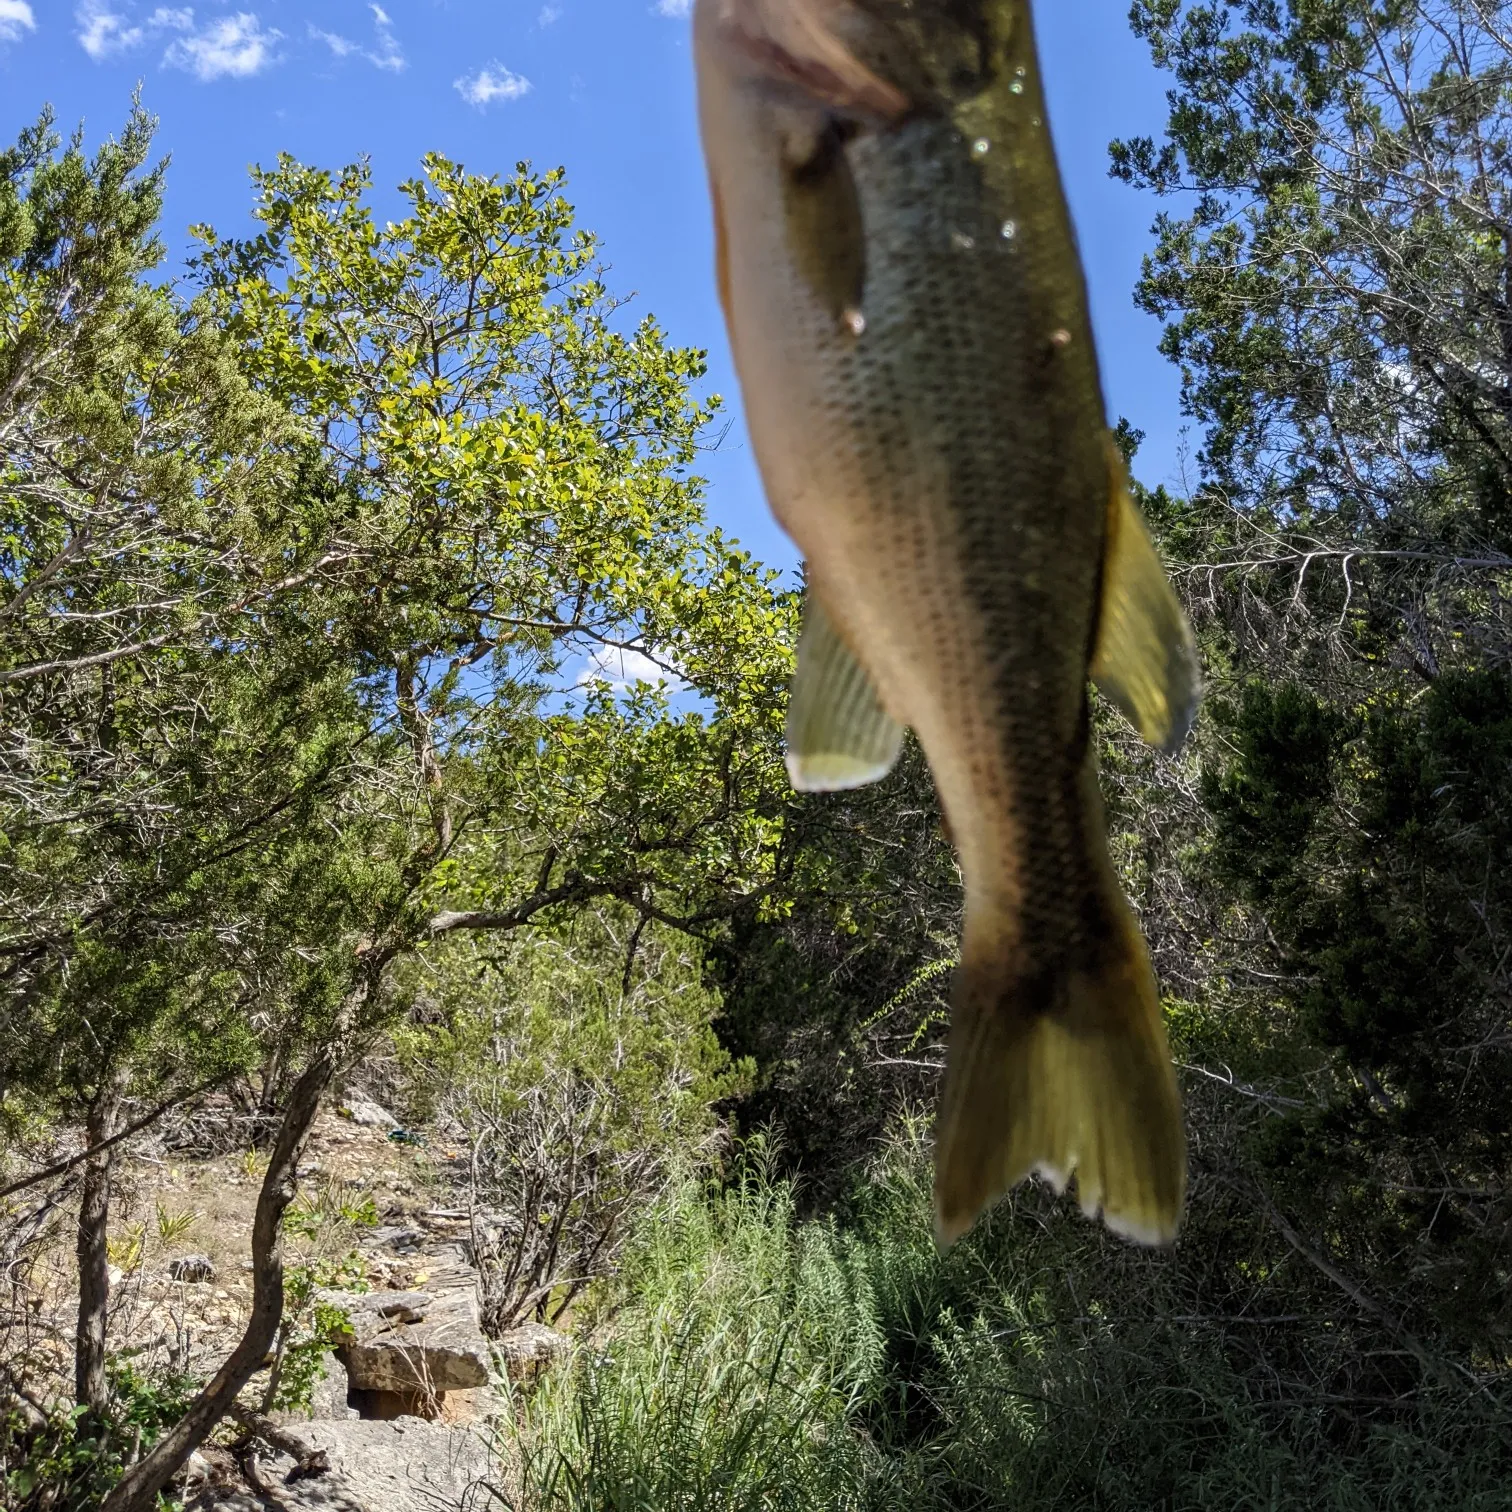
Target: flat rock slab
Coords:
[(377, 1312), (322, 1493), (425, 1358), (415, 1341), (404, 1466)]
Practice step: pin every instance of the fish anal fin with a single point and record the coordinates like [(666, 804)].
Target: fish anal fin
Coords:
[(1060, 1075), (1145, 657), (806, 47), (838, 733)]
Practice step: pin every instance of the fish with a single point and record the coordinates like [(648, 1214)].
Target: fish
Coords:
[(909, 322)]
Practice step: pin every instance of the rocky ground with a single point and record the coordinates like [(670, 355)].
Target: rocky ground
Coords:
[(402, 1411)]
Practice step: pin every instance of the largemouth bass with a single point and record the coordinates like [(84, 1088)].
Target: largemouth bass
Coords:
[(909, 321)]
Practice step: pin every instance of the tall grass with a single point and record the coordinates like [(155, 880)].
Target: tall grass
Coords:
[(747, 1360)]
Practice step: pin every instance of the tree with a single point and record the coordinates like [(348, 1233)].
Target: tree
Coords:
[(306, 571), (132, 458), (1337, 298), (839, 994)]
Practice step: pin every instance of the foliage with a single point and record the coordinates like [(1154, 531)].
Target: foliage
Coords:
[(1330, 865), (706, 1395), (1388, 926), (314, 569), (173, 1226), (1336, 298), (577, 1068), (304, 564), (135, 468), (330, 1214), (839, 995), (57, 1460), (311, 1326), (755, 1360), (416, 473)]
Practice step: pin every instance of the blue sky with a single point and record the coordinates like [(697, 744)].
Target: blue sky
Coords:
[(603, 87)]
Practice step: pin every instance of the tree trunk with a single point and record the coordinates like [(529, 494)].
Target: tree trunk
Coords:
[(138, 1489), (90, 1387), (270, 1093)]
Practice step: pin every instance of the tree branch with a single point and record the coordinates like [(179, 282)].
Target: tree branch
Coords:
[(38, 1177)]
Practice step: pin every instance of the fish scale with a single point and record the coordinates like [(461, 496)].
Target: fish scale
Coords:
[(909, 322), (928, 308)]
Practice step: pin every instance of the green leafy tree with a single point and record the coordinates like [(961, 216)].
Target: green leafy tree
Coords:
[(309, 570), (1337, 299), (581, 1070), (1335, 293)]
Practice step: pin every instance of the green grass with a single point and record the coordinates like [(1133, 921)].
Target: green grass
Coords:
[(747, 1360)]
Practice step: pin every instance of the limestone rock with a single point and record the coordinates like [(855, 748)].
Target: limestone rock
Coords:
[(415, 1360), (399, 1237), (373, 1313), (403, 1466), (369, 1115), (416, 1341), (526, 1351), (191, 1268)]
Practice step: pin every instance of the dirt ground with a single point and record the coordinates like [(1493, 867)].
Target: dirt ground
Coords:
[(359, 1191)]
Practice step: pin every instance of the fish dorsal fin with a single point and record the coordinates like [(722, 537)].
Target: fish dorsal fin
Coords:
[(806, 47), (838, 733), (1145, 659)]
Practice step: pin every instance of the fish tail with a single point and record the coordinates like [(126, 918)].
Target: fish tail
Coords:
[(1062, 1070)]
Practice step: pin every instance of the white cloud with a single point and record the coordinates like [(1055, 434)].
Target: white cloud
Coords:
[(493, 82), (623, 667), (15, 18), (385, 54), (342, 47), (103, 31), (675, 9), (234, 46), (549, 13)]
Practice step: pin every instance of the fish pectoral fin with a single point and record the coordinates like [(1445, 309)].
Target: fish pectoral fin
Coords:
[(823, 213), (802, 46), (1145, 658), (806, 55), (1060, 1073), (838, 733)]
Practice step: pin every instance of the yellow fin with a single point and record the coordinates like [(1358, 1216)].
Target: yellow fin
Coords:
[(1058, 1074), (1145, 659), (838, 734)]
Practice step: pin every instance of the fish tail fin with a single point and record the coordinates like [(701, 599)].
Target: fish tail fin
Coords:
[(1060, 1071)]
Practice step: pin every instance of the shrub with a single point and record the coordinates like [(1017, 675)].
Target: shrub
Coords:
[(61, 1461), (744, 1359)]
